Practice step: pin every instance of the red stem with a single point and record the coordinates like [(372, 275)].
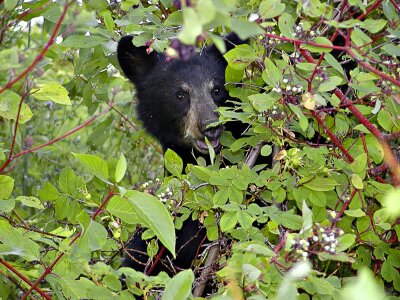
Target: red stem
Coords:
[(396, 6), (50, 268), (42, 53), (23, 278), (16, 124), (88, 122)]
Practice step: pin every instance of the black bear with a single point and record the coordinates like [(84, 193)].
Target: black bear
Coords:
[(177, 103)]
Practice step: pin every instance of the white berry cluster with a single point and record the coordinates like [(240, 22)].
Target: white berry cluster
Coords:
[(322, 239)]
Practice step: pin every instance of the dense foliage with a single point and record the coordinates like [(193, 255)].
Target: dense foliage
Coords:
[(318, 85)]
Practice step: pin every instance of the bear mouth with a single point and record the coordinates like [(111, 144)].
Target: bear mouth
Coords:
[(202, 147)]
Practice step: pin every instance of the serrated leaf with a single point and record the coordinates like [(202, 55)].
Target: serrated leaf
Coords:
[(180, 286), (30, 201), (120, 168), (7, 186), (94, 164), (321, 184), (53, 91), (173, 163), (155, 215)]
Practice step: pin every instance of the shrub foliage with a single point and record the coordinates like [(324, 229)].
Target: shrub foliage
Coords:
[(318, 85)]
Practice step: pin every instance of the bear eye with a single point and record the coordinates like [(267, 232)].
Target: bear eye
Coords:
[(180, 95), (216, 90)]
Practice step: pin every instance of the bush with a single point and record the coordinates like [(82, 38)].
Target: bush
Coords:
[(318, 85)]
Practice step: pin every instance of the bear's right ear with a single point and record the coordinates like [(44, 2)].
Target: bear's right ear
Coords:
[(134, 61)]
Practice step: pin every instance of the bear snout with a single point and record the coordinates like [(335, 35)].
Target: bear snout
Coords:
[(213, 133)]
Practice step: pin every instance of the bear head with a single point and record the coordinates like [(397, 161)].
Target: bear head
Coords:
[(178, 100)]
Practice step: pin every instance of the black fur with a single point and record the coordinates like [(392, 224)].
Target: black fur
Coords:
[(165, 115)]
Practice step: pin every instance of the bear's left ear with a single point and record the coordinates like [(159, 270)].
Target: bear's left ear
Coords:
[(134, 61), (231, 40)]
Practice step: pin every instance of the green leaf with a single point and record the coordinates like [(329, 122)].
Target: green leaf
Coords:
[(319, 40), (286, 24), (192, 27), (262, 102), (290, 221), (31, 202), (372, 25), (391, 49), (330, 84), (307, 217), (83, 41), (120, 168), (9, 102), (364, 287), (48, 192), (266, 150), (321, 184), (356, 213), (245, 29), (228, 221), (357, 181), (173, 163), (94, 164), (53, 91), (272, 75), (7, 186), (392, 202), (244, 219), (346, 241), (17, 244), (240, 57), (121, 208), (155, 216), (322, 286), (10, 4), (302, 118), (180, 286), (271, 8), (7, 205), (94, 235), (221, 197)]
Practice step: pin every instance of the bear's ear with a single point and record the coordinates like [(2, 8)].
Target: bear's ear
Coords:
[(231, 40), (134, 61)]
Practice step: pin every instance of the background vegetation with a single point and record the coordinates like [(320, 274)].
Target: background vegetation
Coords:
[(318, 85)]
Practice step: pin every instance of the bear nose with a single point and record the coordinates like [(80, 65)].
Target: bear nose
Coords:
[(213, 133)]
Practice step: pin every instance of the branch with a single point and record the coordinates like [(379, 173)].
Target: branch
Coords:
[(88, 122), (42, 53), (50, 268), (23, 278)]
